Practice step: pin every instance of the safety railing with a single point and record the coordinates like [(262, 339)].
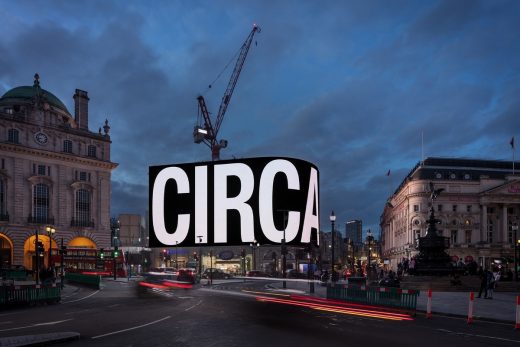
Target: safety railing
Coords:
[(405, 299), (90, 280), (29, 294)]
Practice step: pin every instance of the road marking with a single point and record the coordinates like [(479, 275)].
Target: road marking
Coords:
[(114, 305), (185, 297), (133, 328), (476, 335), (197, 304), (35, 325), (86, 297)]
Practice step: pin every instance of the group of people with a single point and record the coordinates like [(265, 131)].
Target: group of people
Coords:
[(488, 282)]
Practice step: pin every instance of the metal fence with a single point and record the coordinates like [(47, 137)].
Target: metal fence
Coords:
[(405, 299), (29, 294)]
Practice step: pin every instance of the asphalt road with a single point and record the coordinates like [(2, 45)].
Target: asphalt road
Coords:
[(232, 315)]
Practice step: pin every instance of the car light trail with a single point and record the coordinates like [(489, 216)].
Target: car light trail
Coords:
[(277, 294), (338, 309)]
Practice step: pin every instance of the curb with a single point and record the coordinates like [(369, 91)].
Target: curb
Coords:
[(479, 318), (38, 340)]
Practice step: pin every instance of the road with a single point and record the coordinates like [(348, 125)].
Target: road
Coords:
[(235, 314)]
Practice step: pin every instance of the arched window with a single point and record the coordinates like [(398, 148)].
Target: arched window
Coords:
[(82, 217), (13, 136), (41, 203)]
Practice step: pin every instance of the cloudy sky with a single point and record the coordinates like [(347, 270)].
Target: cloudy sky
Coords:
[(351, 86)]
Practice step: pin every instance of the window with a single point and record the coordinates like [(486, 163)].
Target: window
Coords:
[(41, 170), (82, 176), (67, 146), (91, 151), (468, 236), (490, 210), (416, 208), (8, 110), (467, 176), (454, 208), (2, 199), (82, 207), (452, 176), (13, 136), (468, 208), (438, 175), (439, 208), (41, 202), (490, 231), (453, 237)]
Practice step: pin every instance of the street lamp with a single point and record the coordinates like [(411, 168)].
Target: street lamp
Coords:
[(254, 246), (200, 257), (332, 220), (50, 231), (176, 251), (369, 242)]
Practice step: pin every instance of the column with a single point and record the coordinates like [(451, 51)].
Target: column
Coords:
[(504, 224), (483, 226)]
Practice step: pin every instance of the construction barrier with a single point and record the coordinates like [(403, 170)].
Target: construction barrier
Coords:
[(90, 280), (13, 274), (29, 294), (405, 299), (470, 308)]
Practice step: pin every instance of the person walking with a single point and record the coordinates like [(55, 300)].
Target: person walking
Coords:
[(493, 278), (483, 284)]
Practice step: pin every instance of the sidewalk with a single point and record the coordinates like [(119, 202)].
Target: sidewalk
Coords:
[(501, 308)]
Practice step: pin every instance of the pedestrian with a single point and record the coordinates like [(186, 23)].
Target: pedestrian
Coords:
[(483, 283), (490, 281)]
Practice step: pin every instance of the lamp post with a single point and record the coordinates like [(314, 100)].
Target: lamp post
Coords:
[(369, 243), (176, 251), (515, 245), (332, 220), (200, 257), (284, 249), (50, 231), (254, 246)]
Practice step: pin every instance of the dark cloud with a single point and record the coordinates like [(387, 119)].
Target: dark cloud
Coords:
[(347, 85)]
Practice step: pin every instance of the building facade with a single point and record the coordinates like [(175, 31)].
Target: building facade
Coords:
[(54, 176), (479, 210)]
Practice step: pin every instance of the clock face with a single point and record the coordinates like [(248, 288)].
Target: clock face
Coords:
[(41, 138)]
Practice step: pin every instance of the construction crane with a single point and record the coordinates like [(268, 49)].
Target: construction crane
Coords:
[(205, 131)]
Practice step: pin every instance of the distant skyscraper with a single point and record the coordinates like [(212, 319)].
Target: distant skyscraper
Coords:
[(353, 231)]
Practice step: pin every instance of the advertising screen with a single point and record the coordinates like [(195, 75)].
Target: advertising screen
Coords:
[(234, 202)]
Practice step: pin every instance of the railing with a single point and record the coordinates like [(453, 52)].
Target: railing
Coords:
[(29, 294), (82, 223), (405, 299), (40, 220)]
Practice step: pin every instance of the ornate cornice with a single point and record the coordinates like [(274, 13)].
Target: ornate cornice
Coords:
[(69, 158)]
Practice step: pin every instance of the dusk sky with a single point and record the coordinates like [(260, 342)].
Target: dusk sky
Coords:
[(350, 86)]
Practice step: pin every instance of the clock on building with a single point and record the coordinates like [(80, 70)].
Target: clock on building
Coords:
[(41, 138)]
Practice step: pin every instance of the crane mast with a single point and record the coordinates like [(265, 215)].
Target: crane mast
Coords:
[(207, 132)]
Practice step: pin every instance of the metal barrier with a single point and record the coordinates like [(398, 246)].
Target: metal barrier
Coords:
[(91, 280), (29, 294), (10, 274), (405, 299)]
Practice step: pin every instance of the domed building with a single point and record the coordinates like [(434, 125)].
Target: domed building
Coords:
[(54, 176)]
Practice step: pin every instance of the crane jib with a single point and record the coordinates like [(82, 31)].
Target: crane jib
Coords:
[(206, 132)]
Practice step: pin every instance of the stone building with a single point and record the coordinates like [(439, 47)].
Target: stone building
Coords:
[(54, 175), (479, 210)]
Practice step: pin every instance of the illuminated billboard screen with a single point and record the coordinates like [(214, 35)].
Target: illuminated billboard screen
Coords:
[(234, 202)]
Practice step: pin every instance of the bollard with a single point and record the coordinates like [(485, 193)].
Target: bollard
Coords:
[(429, 304), (517, 325), (470, 308)]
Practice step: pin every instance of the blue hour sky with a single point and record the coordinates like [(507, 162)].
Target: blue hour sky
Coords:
[(350, 86)]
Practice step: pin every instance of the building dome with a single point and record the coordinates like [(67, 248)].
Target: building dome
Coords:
[(28, 93)]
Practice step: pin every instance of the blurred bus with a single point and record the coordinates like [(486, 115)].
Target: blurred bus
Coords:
[(90, 261)]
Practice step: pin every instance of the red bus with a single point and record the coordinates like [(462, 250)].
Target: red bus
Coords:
[(90, 260)]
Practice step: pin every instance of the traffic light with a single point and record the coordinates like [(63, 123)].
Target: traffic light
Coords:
[(195, 256), (116, 252), (164, 254), (102, 253), (40, 250)]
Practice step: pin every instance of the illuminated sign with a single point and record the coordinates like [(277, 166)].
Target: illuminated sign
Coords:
[(234, 202)]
